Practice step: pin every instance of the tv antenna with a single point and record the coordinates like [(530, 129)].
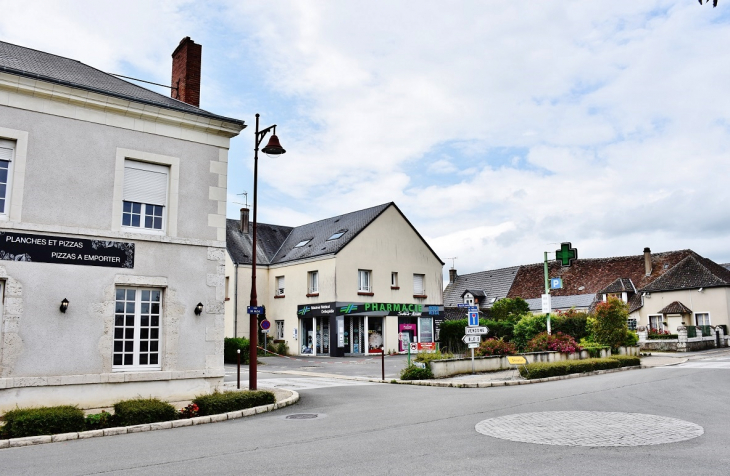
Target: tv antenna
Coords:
[(453, 260), (245, 198)]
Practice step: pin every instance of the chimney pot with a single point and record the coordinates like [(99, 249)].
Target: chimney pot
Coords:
[(647, 261), (186, 72), (452, 275), (244, 221)]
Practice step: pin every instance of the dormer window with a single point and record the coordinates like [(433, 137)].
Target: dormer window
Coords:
[(468, 299), (302, 243), (337, 235)]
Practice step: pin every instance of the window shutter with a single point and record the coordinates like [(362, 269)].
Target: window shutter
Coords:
[(418, 284), (145, 183), (6, 153)]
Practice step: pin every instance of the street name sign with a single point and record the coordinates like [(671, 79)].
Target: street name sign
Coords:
[(473, 346), (461, 304), (472, 309), (255, 310), (476, 330), (471, 339)]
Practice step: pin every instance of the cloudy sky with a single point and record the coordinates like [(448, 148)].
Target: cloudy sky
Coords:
[(499, 128)]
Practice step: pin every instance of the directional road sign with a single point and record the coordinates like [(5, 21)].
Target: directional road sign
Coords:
[(473, 346), (476, 330), (471, 339), (255, 310), (516, 360)]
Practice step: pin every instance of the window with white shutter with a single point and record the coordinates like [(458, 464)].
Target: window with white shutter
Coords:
[(7, 153), (363, 281), (280, 285), (145, 195), (418, 289)]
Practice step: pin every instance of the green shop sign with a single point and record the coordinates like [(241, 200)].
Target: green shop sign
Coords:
[(391, 307)]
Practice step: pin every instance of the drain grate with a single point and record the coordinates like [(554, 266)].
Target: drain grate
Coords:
[(302, 416)]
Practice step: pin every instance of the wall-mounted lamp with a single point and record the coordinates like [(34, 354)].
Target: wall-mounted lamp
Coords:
[(199, 309), (64, 305), (700, 290)]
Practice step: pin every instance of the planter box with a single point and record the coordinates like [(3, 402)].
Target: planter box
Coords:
[(447, 368)]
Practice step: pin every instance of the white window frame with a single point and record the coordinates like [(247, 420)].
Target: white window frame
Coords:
[(136, 338), (364, 281), (419, 284), (709, 321), (280, 285), (394, 279), (661, 321), (16, 173), (7, 154), (170, 213), (468, 299), (313, 282), (279, 329), (145, 208)]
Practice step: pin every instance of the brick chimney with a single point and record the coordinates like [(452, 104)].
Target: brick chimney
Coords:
[(452, 275), (244, 221), (647, 261), (186, 72)]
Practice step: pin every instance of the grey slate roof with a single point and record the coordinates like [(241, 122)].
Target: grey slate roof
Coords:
[(29, 63), (495, 284), (726, 265), (277, 244), (618, 286), (692, 272), (581, 301)]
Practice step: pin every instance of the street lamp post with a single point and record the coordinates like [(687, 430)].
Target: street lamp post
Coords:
[(272, 148)]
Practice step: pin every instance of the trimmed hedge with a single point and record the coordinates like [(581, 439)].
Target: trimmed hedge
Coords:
[(565, 367), (42, 421), (627, 360), (231, 345), (594, 350), (143, 410), (232, 401)]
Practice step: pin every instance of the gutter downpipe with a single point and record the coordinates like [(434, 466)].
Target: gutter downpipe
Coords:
[(235, 301)]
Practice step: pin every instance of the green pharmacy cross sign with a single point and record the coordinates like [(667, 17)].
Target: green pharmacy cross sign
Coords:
[(566, 254)]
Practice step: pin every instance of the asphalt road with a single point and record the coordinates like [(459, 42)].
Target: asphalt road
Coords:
[(400, 429)]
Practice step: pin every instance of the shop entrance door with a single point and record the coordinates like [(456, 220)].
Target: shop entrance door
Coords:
[(307, 336), (323, 335), (354, 332)]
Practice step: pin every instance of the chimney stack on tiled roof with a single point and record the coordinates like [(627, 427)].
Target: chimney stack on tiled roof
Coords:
[(186, 72), (452, 276), (647, 261), (243, 226)]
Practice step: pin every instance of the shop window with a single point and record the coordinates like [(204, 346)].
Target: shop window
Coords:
[(418, 284), (137, 328), (7, 154), (313, 281), (363, 281), (280, 330), (280, 285), (144, 196)]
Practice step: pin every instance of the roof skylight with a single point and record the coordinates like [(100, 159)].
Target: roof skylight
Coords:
[(337, 235), (302, 243)]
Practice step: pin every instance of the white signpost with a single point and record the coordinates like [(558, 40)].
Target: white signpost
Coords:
[(470, 331), (471, 339), (472, 347), (546, 304)]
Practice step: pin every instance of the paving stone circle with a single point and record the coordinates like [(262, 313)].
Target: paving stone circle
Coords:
[(589, 428)]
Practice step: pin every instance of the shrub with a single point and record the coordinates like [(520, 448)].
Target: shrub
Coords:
[(609, 324), (231, 345), (527, 328), (627, 360), (593, 349), (429, 356), (632, 338), (282, 348), (565, 367), (501, 329), (571, 322), (225, 402), (98, 421), (511, 309), (416, 373), (143, 410), (189, 411), (495, 347), (42, 421), (556, 342)]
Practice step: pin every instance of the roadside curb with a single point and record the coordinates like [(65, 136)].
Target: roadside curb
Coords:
[(163, 425), (504, 383)]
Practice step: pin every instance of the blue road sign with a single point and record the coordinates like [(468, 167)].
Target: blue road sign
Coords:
[(556, 283), (266, 324), (461, 304), (473, 309), (473, 319), (255, 309)]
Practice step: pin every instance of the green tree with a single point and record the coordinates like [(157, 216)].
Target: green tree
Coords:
[(609, 323), (511, 309), (527, 328)]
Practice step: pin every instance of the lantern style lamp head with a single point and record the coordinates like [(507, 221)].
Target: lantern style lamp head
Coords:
[(64, 305), (199, 309), (274, 146)]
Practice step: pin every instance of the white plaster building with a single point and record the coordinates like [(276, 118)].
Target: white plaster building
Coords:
[(343, 285), (112, 230)]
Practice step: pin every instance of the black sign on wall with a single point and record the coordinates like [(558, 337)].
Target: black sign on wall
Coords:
[(64, 250)]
